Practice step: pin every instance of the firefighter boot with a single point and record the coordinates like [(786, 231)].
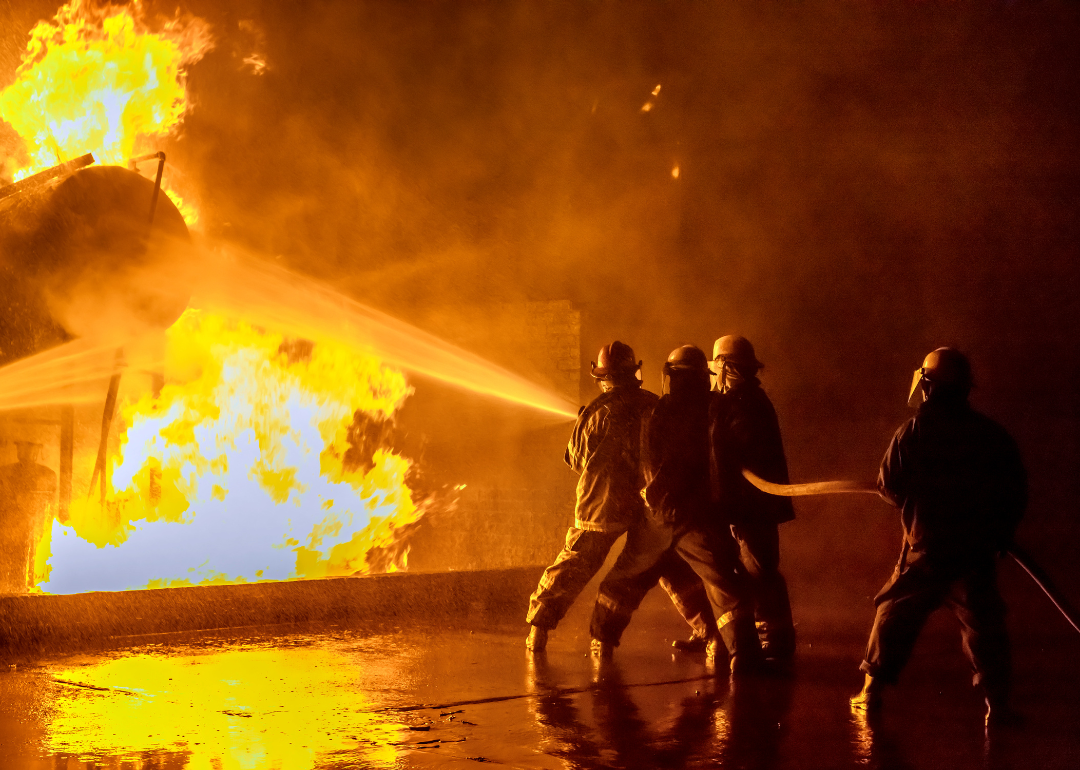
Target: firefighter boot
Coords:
[(537, 639), (602, 650), (716, 656), (998, 712), (777, 641), (868, 699), (740, 637), (698, 642)]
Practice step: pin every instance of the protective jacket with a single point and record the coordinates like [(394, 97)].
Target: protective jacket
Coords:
[(605, 448), (745, 433), (676, 448), (958, 478)]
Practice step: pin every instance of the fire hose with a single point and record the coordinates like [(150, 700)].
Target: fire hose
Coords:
[(1019, 555)]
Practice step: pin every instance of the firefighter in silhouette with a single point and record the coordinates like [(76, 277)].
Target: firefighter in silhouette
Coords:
[(958, 479), (746, 434), (681, 518), (605, 450), (27, 494)]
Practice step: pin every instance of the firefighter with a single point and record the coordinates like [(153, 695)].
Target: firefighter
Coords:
[(958, 479), (605, 449), (746, 434), (680, 518)]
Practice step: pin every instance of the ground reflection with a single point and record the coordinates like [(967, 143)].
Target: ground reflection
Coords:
[(250, 707), (602, 726), (339, 698), (873, 745)]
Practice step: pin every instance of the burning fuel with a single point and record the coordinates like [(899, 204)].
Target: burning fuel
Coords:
[(253, 463), (100, 80)]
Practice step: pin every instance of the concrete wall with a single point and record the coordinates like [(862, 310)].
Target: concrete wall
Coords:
[(35, 623)]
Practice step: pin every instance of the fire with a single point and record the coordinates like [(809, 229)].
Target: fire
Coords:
[(262, 458), (99, 80)]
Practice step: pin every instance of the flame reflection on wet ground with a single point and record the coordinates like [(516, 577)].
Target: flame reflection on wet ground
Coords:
[(250, 706), (457, 691)]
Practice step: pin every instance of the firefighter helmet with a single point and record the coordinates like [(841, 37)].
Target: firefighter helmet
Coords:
[(945, 368), (687, 357), (613, 360), (736, 350)]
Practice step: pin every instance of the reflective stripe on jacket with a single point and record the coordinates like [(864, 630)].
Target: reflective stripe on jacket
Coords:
[(605, 448)]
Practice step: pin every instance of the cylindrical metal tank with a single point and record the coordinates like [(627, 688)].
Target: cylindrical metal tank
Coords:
[(79, 257)]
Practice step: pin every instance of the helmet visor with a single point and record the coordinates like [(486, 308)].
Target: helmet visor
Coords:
[(917, 394)]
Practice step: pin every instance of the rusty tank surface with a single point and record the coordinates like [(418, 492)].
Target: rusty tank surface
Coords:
[(78, 257)]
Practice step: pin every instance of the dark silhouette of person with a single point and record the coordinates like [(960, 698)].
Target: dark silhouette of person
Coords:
[(959, 481)]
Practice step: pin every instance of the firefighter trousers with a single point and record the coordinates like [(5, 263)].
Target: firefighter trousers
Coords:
[(711, 553), (582, 557), (759, 552), (920, 584)]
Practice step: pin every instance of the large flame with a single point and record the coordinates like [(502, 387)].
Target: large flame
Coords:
[(97, 79), (261, 459)]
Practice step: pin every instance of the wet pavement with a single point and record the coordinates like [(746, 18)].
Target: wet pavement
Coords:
[(464, 693)]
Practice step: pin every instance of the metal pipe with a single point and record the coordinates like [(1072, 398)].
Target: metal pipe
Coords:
[(48, 174), (106, 424), (133, 166), (67, 452), (157, 188)]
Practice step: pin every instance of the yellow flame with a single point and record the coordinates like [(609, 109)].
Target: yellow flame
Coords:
[(252, 440), (186, 208), (98, 80)]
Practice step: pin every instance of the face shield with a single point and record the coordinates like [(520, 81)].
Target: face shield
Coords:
[(919, 391), (726, 376), (607, 384)]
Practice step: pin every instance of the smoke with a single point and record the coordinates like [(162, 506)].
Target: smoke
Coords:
[(858, 185)]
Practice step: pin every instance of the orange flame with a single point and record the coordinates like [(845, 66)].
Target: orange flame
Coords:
[(98, 80), (244, 468)]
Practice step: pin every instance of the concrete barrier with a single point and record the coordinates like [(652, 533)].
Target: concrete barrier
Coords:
[(41, 622)]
